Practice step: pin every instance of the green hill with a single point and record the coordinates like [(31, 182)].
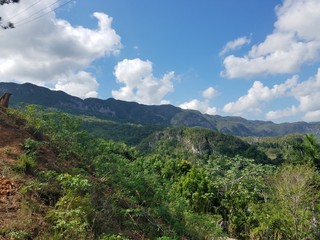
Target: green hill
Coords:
[(162, 115), (59, 181), (201, 142)]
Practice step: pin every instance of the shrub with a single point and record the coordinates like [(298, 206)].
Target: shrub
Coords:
[(18, 235), (26, 163), (112, 237), (31, 147)]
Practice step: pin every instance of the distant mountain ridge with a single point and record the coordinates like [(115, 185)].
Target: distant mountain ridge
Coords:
[(169, 115)]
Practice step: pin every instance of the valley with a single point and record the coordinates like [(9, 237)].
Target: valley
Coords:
[(71, 173)]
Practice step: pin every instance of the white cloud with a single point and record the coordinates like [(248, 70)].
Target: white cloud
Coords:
[(233, 45), (257, 95), (78, 85), (312, 116), (202, 106), (51, 52), (294, 42), (209, 93), (139, 83), (307, 93), (288, 112)]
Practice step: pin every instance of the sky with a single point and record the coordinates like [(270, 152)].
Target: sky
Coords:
[(257, 59)]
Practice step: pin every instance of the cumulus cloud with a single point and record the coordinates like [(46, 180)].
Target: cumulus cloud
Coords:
[(257, 95), (209, 93), (139, 83), (294, 41), (51, 52), (307, 94), (78, 84), (202, 106), (235, 44), (313, 116), (287, 112)]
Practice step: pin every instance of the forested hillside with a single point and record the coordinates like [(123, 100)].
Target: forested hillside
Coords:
[(152, 115), (59, 181)]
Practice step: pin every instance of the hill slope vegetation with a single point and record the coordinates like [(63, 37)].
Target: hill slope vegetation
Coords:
[(59, 182), (163, 115)]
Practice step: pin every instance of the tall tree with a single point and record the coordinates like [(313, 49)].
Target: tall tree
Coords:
[(291, 209), (8, 24)]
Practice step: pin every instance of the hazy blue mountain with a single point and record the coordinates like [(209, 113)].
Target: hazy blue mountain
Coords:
[(149, 114)]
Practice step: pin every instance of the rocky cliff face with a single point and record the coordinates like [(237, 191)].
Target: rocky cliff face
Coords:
[(203, 142)]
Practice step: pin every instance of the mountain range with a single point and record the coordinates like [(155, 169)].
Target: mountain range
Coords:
[(164, 115)]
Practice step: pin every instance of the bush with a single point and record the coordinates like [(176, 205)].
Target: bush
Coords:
[(112, 237), (31, 147), (18, 235), (26, 163)]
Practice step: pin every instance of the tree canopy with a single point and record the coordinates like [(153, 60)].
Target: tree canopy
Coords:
[(74, 185), (8, 1), (7, 24)]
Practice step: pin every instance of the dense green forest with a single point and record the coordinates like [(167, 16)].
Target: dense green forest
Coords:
[(145, 182)]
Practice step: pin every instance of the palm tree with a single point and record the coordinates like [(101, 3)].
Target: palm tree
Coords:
[(312, 149)]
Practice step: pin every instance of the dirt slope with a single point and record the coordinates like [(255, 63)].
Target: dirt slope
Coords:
[(16, 216)]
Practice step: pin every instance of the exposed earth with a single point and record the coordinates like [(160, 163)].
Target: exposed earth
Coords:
[(17, 213)]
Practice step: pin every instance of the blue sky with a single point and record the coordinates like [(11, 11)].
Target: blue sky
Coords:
[(257, 59)]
